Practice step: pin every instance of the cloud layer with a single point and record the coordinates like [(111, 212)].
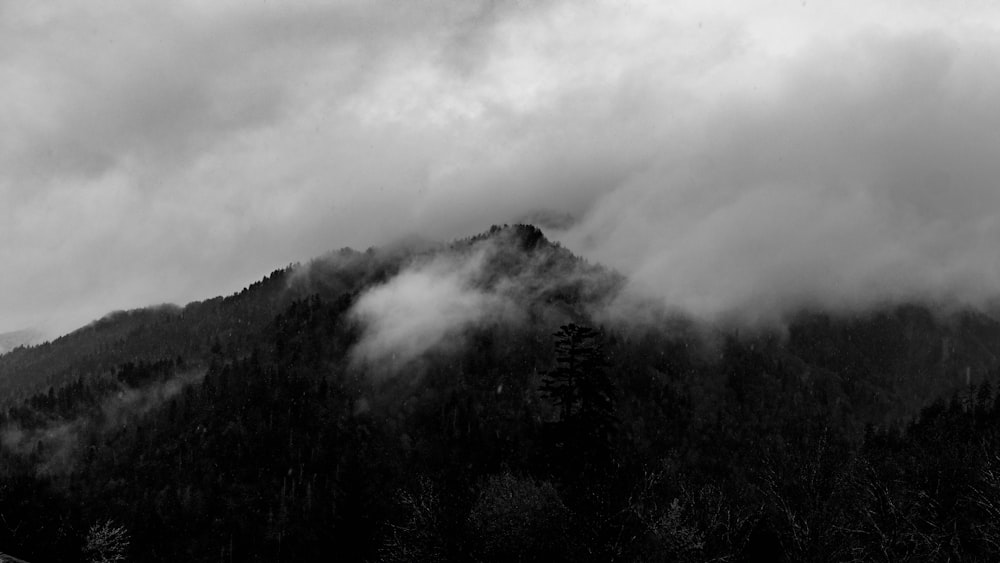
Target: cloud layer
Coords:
[(869, 174), (731, 159)]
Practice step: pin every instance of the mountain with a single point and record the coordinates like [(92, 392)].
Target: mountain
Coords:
[(496, 398)]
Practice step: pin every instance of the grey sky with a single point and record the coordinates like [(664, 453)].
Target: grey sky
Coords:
[(729, 156)]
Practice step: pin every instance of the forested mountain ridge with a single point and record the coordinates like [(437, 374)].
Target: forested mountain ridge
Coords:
[(236, 321), (147, 334), (476, 401)]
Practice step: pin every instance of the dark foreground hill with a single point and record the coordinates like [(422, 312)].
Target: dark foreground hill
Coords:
[(479, 401)]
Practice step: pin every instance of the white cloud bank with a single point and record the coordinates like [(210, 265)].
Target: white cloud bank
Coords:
[(732, 158), (869, 174)]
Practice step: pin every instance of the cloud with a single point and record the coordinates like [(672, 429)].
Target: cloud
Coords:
[(426, 307), (744, 157), (869, 175)]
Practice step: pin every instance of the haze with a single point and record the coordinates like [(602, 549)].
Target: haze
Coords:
[(731, 160)]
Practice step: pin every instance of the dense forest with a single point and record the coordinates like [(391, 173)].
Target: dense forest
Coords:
[(288, 422)]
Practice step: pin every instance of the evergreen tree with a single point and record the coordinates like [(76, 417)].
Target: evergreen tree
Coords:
[(582, 392)]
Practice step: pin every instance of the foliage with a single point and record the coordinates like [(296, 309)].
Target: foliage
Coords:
[(518, 519), (106, 542), (418, 537)]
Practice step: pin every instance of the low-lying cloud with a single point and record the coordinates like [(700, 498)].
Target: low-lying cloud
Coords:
[(425, 307), (56, 445), (870, 175)]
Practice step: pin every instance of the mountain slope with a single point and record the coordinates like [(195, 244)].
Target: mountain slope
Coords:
[(151, 334), (398, 404)]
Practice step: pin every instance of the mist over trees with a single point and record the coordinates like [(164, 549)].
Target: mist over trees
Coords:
[(251, 428)]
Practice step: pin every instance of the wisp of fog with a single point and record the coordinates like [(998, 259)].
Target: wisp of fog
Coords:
[(426, 306)]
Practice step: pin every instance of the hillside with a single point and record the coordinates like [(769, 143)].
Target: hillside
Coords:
[(478, 401)]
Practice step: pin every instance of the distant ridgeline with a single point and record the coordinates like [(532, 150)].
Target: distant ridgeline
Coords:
[(477, 401), (18, 338)]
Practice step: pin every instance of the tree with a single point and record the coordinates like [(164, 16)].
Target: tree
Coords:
[(106, 543), (582, 392), (418, 537), (578, 384)]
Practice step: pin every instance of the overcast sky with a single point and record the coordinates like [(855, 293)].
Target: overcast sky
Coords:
[(728, 156)]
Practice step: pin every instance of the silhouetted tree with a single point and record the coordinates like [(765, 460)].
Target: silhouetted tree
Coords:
[(583, 394)]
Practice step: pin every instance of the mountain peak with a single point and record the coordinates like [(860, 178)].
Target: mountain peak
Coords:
[(527, 236)]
